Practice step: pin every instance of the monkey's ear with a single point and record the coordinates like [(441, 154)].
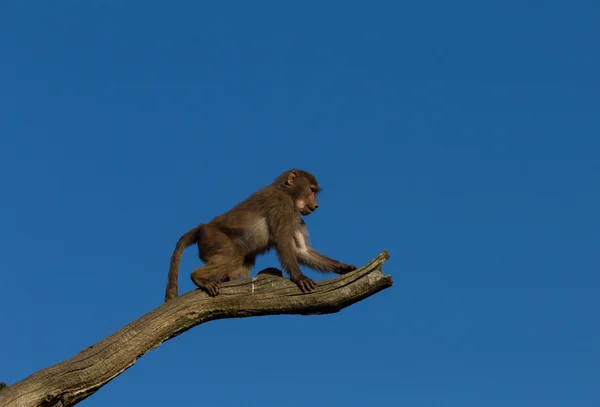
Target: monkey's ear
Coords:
[(291, 177)]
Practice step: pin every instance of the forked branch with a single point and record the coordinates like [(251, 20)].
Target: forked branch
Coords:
[(71, 381)]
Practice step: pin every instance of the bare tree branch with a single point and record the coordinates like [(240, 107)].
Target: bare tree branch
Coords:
[(71, 381)]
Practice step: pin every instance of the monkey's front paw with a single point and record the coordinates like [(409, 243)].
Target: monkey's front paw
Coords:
[(345, 268), (305, 283)]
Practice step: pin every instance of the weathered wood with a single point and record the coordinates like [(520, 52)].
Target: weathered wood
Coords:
[(71, 381)]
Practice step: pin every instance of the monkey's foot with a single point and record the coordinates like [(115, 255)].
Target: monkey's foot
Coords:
[(210, 287), (306, 284)]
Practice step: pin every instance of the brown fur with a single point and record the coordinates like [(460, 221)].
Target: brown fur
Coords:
[(270, 218)]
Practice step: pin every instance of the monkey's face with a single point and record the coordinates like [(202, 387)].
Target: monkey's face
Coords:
[(303, 188), (307, 200)]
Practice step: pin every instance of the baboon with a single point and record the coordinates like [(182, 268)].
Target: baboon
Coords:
[(271, 218)]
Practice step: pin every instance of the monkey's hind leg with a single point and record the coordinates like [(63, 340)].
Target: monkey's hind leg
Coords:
[(219, 254), (238, 273), (208, 276), (218, 270), (223, 261)]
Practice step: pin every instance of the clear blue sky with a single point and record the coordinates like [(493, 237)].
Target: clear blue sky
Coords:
[(461, 136)]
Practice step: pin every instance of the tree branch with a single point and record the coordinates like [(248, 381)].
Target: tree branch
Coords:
[(71, 381)]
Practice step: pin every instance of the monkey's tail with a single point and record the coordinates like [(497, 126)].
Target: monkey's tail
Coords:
[(185, 241)]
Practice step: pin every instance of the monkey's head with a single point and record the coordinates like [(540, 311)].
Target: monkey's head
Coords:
[(302, 187)]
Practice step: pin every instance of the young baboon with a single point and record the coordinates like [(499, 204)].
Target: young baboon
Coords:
[(270, 218)]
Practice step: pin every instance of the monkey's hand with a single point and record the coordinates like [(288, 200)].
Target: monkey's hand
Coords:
[(305, 283), (344, 268)]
